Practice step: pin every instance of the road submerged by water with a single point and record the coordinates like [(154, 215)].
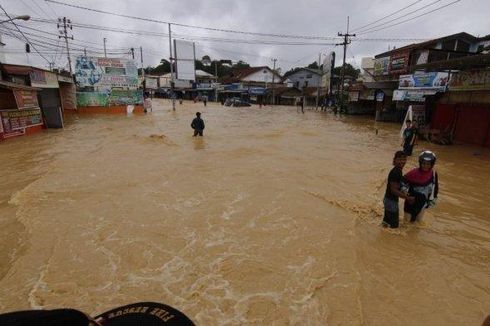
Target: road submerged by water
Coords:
[(272, 218)]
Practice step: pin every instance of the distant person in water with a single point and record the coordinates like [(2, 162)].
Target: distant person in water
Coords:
[(147, 105), (409, 137), (423, 184), (198, 125), (300, 104), (393, 191)]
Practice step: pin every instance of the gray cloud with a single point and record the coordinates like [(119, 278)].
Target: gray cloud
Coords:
[(309, 17)]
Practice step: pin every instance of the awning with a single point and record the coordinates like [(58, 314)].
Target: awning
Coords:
[(9, 85), (16, 70)]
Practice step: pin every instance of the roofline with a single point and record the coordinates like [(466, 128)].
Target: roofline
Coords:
[(428, 42)]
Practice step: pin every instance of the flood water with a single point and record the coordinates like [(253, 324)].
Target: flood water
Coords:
[(272, 218)]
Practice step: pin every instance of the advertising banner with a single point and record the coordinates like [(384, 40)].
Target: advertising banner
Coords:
[(151, 83), (114, 97), (470, 80), (328, 65), (43, 79), (428, 80), (13, 120), (382, 66), (25, 98), (399, 62), (96, 74)]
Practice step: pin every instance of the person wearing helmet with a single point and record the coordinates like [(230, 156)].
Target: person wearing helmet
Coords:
[(393, 192), (423, 184)]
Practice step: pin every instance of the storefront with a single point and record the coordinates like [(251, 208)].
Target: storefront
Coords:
[(463, 113), (420, 90), (48, 97), (20, 113)]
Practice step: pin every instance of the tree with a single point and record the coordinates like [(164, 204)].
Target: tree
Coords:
[(313, 65), (162, 68), (349, 71)]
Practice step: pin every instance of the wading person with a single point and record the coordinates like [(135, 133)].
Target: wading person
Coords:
[(393, 191), (198, 125), (300, 104), (423, 184), (409, 137), (147, 105)]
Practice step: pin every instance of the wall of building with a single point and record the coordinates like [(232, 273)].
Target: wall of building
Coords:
[(262, 76), (300, 78)]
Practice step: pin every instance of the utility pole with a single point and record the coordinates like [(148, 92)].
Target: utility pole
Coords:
[(273, 75), (216, 81), (345, 43), (105, 50), (132, 52), (63, 29), (142, 69), (172, 84), (318, 86)]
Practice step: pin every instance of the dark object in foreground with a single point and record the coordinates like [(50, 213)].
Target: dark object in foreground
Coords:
[(142, 313)]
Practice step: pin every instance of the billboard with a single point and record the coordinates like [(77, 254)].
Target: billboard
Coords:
[(382, 66), (151, 82), (328, 65), (399, 62), (13, 120), (427, 80), (43, 79), (111, 97), (95, 74), (470, 80), (185, 56)]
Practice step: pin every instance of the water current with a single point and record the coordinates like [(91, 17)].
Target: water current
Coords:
[(272, 218)]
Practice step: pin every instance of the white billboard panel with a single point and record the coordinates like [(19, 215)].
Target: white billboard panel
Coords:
[(328, 64), (185, 55)]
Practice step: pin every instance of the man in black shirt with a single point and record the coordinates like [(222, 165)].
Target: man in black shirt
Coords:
[(390, 201), (198, 125)]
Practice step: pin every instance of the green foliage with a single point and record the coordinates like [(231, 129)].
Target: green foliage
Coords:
[(349, 71), (215, 66)]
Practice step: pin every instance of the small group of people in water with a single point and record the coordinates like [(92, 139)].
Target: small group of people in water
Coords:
[(419, 187)]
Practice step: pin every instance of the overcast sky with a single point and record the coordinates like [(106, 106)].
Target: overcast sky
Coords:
[(305, 17)]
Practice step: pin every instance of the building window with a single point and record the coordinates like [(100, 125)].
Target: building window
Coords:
[(463, 46), (449, 45), (309, 76)]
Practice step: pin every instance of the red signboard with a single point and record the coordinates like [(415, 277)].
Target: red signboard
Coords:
[(399, 62), (25, 98), (18, 120)]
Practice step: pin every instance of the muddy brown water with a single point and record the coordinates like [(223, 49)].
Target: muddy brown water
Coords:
[(271, 219)]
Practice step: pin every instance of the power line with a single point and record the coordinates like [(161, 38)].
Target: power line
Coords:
[(189, 26), (24, 35), (398, 18), (44, 12), (194, 37), (383, 18), (410, 19)]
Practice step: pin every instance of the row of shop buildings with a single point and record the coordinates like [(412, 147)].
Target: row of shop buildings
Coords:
[(32, 99), (445, 81)]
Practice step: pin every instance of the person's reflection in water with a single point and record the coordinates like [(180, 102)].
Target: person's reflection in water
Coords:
[(199, 143)]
